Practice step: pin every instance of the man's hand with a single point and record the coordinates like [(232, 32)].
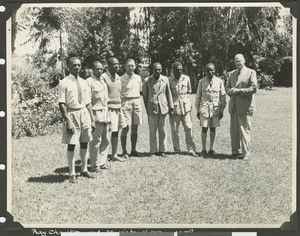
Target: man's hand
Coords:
[(233, 91), (171, 111), (198, 115), (93, 126), (220, 115), (70, 127)]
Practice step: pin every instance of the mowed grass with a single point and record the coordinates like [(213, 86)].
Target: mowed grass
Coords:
[(179, 189)]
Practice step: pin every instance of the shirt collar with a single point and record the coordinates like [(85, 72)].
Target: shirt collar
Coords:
[(242, 71), (126, 76), (73, 77), (94, 77), (110, 75)]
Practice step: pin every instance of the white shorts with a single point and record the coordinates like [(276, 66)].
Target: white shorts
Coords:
[(117, 119), (82, 124)]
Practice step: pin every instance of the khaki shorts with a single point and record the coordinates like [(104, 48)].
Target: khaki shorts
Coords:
[(117, 119), (132, 111), (209, 121), (83, 129)]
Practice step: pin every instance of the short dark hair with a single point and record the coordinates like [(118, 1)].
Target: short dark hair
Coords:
[(95, 64), (176, 64), (210, 64), (110, 60), (156, 63)]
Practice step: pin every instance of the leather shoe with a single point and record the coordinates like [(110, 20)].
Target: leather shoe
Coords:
[(211, 152), (72, 179), (134, 154), (86, 175), (125, 156), (203, 153), (193, 153), (162, 154), (95, 169), (116, 158), (104, 167)]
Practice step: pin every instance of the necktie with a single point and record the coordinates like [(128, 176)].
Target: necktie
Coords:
[(79, 91)]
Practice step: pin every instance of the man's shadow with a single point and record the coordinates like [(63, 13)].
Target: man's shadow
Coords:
[(61, 176), (220, 156)]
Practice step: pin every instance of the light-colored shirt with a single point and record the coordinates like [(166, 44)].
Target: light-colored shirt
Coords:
[(114, 90), (180, 89), (99, 94), (68, 92), (210, 93), (131, 85)]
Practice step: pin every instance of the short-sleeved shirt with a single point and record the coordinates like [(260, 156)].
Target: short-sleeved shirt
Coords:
[(114, 90), (68, 92), (180, 89), (210, 97), (98, 91), (131, 85)]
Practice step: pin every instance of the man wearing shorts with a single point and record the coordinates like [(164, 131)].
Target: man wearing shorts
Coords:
[(210, 102), (74, 103), (158, 102), (131, 88), (114, 85), (180, 87), (99, 94)]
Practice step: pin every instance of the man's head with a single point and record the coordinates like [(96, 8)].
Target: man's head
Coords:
[(113, 65), (97, 68), (177, 69), (239, 61), (74, 66), (156, 70), (210, 70), (130, 66)]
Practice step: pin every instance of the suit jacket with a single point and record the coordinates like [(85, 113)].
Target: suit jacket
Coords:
[(180, 89), (157, 95), (246, 83)]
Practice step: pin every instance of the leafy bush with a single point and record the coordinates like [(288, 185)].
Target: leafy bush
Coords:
[(284, 77), (38, 114), (38, 119), (265, 81)]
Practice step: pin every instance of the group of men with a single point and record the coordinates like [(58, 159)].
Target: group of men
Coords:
[(96, 109)]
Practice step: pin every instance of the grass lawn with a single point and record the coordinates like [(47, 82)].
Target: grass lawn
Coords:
[(179, 189)]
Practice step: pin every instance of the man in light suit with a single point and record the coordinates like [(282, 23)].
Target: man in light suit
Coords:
[(241, 87), (180, 87), (158, 102)]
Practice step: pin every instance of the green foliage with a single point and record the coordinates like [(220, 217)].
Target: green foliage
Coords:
[(38, 114), (284, 76), (265, 81), (37, 119)]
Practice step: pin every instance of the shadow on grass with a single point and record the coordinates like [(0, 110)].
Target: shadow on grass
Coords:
[(220, 156), (48, 179), (65, 169)]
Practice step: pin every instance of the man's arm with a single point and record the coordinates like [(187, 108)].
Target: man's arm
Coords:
[(145, 93), (89, 100), (169, 96), (228, 88), (189, 87), (63, 110), (89, 108), (222, 97), (198, 98), (245, 92)]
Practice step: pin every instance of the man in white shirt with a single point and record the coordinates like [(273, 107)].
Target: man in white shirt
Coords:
[(131, 106), (75, 105)]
